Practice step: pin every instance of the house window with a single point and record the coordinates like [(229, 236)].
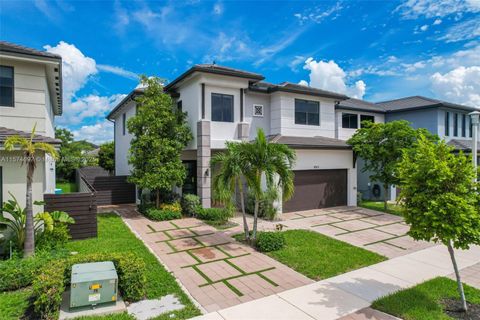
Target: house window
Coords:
[(124, 123), (447, 124), (222, 107), (455, 124), (180, 106), (258, 110), (307, 112), (464, 125), (6, 86), (349, 121), (364, 117)]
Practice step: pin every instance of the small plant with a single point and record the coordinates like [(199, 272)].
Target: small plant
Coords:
[(190, 204), (175, 207), (214, 214), (270, 241), (162, 214)]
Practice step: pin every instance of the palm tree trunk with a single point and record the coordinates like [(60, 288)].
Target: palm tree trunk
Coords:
[(385, 197), (255, 219), (29, 246), (244, 216), (457, 275)]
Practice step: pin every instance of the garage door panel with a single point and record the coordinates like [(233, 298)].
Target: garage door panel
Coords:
[(316, 189)]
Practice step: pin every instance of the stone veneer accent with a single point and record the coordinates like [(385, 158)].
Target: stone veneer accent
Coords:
[(203, 163)]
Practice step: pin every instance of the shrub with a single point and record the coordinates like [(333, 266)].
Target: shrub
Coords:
[(270, 241), (18, 273), (214, 214), (266, 208), (56, 238), (162, 214), (49, 286), (190, 204), (175, 207)]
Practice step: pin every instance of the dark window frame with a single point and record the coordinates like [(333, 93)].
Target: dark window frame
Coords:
[(447, 124), (455, 124), (180, 106), (307, 118), (12, 87), (124, 123), (347, 124), (223, 117), (370, 118), (464, 125)]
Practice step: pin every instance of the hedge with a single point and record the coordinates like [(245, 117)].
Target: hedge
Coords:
[(50, 284)]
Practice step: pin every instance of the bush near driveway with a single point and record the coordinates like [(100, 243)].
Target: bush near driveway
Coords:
[(270, 241), (424, 301), (219, 215), (190, 204)]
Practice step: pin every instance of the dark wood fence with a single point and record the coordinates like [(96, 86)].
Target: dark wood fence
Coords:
[(81, 206)]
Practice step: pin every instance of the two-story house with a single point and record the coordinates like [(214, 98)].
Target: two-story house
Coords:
[(30, 95), (447, 120), (225, 104)]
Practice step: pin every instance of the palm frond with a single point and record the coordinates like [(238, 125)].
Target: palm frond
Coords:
[(47, 148), (15, 141)]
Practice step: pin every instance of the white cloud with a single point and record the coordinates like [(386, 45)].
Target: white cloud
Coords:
[(424, 27), (229, 47), (460, 85), (467, 30), (437, 22), (330, 76), (413, 9), (218, 8), (298, 60), (97, 133), (318, 14), (118, 71)]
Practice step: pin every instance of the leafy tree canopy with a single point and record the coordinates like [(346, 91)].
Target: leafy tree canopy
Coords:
[(106, 156), (160, 133)]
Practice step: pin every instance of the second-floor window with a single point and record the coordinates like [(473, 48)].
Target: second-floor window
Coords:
[(364, 117), (222, 107), (464, 125), (447, 124), (307, 112), (349, 120), (6, 86), (124, 123), (455, 124)]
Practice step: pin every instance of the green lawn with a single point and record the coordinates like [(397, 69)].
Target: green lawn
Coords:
[(378, 205), (320, 257), (114, 236), (67, 187), (423, 302), (13, 304)]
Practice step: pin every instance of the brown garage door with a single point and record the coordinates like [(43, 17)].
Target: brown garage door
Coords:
[(318, 189)]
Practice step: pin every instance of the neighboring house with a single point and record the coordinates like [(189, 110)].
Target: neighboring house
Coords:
[(225, 104), (447, 120), (31, 94)]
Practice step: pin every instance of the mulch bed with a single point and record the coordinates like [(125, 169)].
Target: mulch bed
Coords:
[(452, 308)]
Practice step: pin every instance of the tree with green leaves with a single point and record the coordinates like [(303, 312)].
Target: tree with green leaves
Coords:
[(440, 198), (380, 145), (106, 156), (272, 162), (231, 175), (30, 150), (160, 133)]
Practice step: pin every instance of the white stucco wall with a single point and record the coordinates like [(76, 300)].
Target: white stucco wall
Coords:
[(15, 178), (122, 142), (346, 133), (256, 122), (330, 159)]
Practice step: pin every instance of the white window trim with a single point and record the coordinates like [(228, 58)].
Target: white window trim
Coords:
[(253, 111)]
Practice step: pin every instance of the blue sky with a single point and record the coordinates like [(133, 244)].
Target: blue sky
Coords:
[(367, 49)]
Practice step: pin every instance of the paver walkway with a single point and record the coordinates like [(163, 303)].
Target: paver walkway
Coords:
[(348, 293), (216, 270), (470, 275), (376, 231)]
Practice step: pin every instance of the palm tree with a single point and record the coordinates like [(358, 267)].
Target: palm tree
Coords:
[(273, 162), (30, 150), (231, 174)]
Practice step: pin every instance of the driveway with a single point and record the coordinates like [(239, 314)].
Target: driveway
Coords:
[(217, 271)]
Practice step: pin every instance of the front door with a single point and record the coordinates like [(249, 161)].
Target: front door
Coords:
[(190, 184)]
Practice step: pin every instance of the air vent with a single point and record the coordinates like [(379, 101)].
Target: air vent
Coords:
[(258, 110)]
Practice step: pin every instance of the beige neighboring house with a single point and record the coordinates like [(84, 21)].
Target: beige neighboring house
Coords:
[(30, 94)]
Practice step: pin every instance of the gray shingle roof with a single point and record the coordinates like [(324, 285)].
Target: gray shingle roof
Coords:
[(215, 69), (9, 47), (135, 92), (362, 105), (419, 102), (317, 142), (464, 145), (6, 132), (295, 88)]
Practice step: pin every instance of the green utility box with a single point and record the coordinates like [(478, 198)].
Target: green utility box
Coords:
[(93, 283)]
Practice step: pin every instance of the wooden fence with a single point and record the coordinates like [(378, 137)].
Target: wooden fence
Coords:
[(81, 206)]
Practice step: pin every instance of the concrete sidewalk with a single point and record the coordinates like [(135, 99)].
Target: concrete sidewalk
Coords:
[(345, 294)]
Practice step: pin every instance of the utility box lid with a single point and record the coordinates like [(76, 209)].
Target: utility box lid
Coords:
[(94, 271)]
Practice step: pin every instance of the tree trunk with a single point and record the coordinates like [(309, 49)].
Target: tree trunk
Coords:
[(385, 197), (255, 219), (457, 275), (157, 199), (29, 246), (244, 216)]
